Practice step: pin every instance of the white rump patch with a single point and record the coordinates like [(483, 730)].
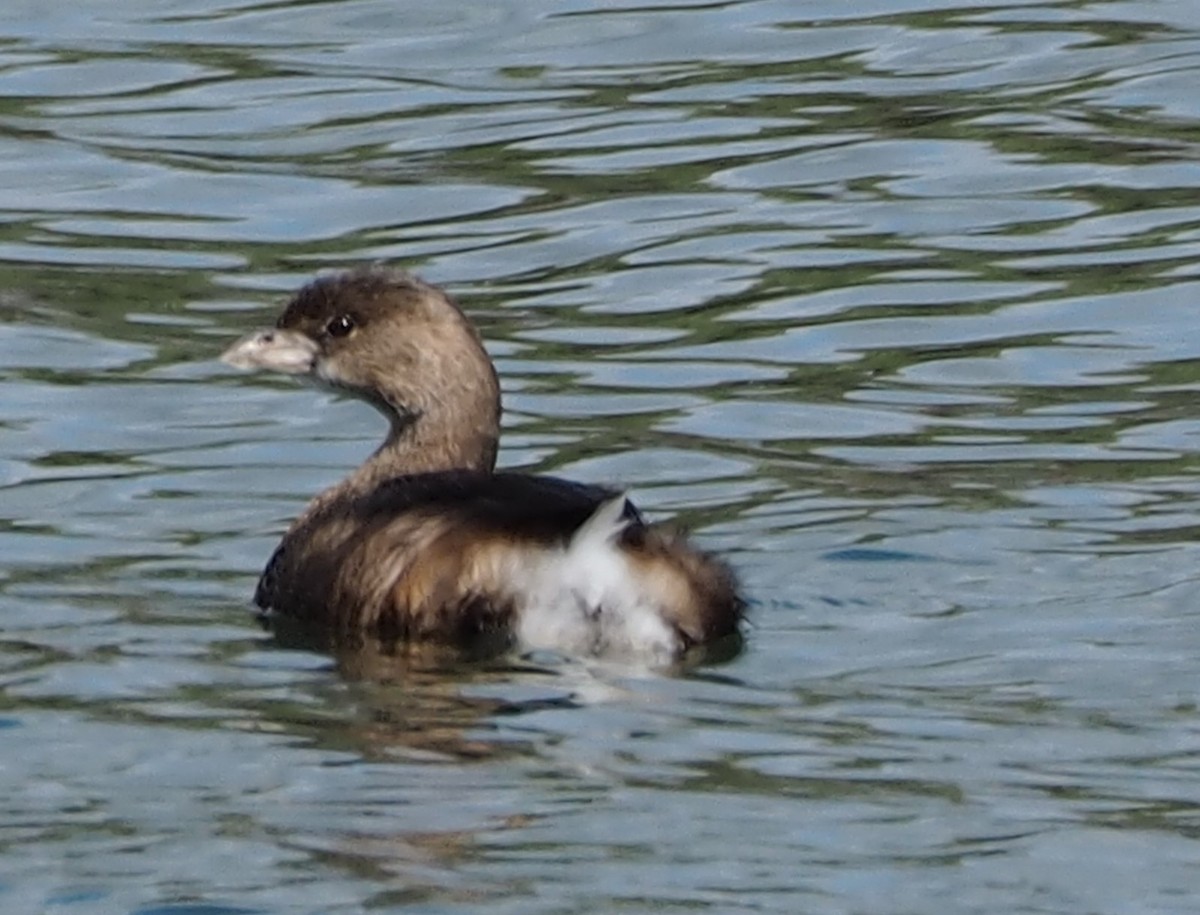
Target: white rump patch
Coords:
[(586, 600)]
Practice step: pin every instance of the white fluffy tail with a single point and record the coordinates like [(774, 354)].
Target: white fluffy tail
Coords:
[(604, 526), (587, 600)]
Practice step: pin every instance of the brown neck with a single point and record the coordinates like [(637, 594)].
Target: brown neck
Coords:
[(415, 447), (429, 442), (441, 398), (462, 437)]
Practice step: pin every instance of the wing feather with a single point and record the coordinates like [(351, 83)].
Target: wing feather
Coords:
[(459, 556)]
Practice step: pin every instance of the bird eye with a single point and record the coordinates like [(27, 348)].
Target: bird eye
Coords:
[(340, 326)]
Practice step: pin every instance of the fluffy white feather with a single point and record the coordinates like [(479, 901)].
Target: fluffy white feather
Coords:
[(585, 599)]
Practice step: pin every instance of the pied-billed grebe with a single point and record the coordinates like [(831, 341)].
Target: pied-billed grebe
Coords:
[(425, 541)]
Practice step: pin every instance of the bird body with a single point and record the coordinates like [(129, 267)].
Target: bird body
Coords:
[(426, 541)]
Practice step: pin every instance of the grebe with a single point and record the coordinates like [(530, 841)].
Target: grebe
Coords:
[(426, 541)]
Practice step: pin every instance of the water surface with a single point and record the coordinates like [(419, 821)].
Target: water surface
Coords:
[(894, 303)]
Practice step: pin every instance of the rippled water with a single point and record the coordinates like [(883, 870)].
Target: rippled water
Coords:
[(893, 302)]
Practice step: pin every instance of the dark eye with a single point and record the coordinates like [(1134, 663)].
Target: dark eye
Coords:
[(340, 326)]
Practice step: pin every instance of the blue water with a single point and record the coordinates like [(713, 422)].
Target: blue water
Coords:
[(893, 303)]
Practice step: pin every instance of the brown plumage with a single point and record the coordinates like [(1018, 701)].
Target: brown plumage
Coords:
[(426, 541)]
